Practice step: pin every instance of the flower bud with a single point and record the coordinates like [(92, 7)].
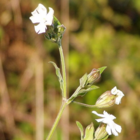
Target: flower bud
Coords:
[(109, 98), (101, 133), (56, 31), (105, 100), (93, 76)]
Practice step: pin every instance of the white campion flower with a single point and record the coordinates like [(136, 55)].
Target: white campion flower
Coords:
[(111, 128), (119, 95), (40, 15)]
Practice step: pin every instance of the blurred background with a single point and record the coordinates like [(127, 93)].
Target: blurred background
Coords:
[(99, 33)]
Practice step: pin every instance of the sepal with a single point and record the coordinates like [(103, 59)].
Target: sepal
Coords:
[(83, 80), (88, 135), (81, 129), (89, 132), (100, 133), (102, 69)]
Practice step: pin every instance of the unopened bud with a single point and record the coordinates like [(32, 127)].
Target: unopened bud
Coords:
[(93, 76), (101, 133), (56, 31), (105, 100)]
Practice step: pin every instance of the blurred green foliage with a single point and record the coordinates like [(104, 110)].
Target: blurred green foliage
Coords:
[(101, 33)]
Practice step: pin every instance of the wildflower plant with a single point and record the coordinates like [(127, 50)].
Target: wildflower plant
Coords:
[(53, 30)]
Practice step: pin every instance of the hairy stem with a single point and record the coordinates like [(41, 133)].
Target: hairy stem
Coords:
[(64, 104)]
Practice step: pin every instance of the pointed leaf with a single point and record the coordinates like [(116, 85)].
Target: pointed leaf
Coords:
[(102, 69), (89, 132), (81, 129), (58, 75)]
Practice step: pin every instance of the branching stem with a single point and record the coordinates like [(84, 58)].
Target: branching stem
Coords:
[(85, 105)]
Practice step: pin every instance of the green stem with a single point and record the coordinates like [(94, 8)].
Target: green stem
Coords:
[(74, 95), (64, 104), (63, 70), (86, 105)]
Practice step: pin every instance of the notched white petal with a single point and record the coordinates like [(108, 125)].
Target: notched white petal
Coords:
[(40, 28), (118, 128), (108, 130), (118, 100), (114, 132), (111, 128), (114, 91), (41, 9), (119, 94), (34, 13)]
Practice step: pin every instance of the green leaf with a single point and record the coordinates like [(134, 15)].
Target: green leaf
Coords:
[(81, 129), (58, 75), (82, 92), (89, 132), (102, 69), (83, 80)]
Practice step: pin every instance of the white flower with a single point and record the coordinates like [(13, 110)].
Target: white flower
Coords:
[(40, 15), (118, 93), (111, 128)]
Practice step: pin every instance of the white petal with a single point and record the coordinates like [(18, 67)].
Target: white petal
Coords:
[(40, 28), (114, 132), (118, 128), (109, 116), (119, 97), (118, 100), (108, 130), (111, 128), (100, 115), (114, 91), (106, 114), (34, 19), (41, 9), (120, 93), (34, 13), (115, 128), (49, 16), (100, 120)]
